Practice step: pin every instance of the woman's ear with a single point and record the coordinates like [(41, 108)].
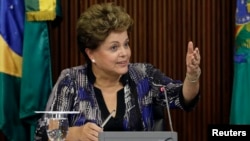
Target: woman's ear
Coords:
[(89, 53)]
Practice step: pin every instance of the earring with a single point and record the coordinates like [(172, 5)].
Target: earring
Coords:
[(93, 60)]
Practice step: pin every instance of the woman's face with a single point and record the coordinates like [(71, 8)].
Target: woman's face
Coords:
[(112, 56)]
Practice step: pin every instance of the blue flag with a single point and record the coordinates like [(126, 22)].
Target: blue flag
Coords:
[(11, 47)]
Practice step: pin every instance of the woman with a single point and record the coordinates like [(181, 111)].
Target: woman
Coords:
[(108, 82)]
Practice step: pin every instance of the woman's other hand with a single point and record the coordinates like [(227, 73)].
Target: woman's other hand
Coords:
[(87, 132)]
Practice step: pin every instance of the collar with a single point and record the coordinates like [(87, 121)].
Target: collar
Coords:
[(92, 78)]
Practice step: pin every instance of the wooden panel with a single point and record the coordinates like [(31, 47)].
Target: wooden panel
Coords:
[(161, 32)]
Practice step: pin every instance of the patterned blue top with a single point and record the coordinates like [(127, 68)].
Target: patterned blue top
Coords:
[(74, 91)]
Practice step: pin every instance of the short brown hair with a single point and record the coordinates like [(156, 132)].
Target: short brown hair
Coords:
[(96, 23)]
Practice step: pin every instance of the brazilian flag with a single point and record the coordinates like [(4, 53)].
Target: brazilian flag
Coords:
[(240, 112), (25, 65)]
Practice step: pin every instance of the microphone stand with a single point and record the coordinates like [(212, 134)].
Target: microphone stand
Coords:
[(168, 109), (163, 89)]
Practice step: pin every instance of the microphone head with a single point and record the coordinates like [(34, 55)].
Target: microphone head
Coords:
[(162, 89)]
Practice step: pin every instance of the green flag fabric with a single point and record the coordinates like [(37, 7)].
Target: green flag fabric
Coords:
[(240, 112), (36, 82), (25, 68)]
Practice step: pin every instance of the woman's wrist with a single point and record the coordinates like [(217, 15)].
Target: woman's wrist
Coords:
[(193, 78)]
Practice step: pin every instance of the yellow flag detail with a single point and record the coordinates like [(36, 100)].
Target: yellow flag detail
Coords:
[(11, 63), (47, 11)]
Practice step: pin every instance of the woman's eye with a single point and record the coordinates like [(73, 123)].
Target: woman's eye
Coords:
[(126, 44), (114, 48)]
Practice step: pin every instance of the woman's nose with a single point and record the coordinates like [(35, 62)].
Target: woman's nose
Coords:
[(123, 51)]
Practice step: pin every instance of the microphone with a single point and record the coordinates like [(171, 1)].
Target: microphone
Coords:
[(155, 81), (163, 89)]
